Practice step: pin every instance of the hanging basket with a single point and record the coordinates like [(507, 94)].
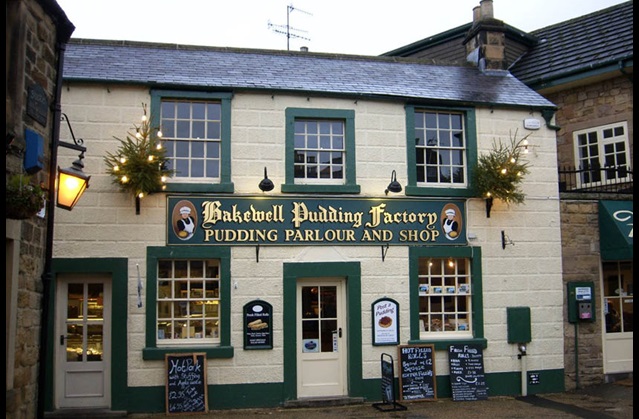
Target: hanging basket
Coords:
[(23, 200)]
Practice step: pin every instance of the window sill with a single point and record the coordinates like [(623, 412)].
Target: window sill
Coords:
[(443, 344), (443, 191), (201, 187), (149, 354), (321, 189)]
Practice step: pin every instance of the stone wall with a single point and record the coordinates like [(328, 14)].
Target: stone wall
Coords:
[(31, 53)]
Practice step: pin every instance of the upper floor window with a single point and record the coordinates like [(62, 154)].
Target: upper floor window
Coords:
[(602, 154), (440, 148), (441, 151), (320, 151), (193, 135), (196, 129)]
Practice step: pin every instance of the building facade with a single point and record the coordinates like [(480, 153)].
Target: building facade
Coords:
[(323, 213), (585, 67)]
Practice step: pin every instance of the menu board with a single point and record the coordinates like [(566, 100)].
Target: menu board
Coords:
[(186, 383), (467, 379), (417, 372), (258, 325)]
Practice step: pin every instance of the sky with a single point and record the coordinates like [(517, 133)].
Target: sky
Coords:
[(360, 27)]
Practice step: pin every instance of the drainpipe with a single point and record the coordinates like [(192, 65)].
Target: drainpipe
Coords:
[(524, 369), (547, 114), (47, 275)]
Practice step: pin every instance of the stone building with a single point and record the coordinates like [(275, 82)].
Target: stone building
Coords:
[(36, 32)]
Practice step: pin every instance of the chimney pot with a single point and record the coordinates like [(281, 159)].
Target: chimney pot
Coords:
[(486, 9)]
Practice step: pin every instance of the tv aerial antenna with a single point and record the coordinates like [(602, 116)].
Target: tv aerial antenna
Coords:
[(287, 30)]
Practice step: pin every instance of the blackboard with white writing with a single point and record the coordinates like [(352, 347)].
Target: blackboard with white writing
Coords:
[(186, 383), (417, 372), (467, 378)]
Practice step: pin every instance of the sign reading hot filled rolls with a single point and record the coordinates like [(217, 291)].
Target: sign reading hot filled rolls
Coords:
[(417, 372), (254, 221)]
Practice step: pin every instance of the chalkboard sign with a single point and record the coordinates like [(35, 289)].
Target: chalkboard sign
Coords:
[(186, 383), (417, 372), (467, 379)]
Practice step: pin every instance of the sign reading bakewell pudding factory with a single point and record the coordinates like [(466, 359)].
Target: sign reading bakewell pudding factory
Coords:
[(215, 220)]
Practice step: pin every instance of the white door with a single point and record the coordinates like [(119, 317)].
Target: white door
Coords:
[(321, 338), (618, 308), (83, 342)]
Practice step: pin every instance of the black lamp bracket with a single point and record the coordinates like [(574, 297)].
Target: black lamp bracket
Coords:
[(505, 240), (77, 143), (384, 251)]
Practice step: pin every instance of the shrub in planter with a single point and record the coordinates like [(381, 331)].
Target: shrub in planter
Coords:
[(24, 199)]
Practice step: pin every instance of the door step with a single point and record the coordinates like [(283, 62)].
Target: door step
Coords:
[(84, 413), (323, 402)]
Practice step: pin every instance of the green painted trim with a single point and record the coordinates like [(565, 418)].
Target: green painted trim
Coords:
[(118, 269), (348, 116), (579, 74), (474, 253), (225, 185), (470, 126), (352, 272), (153, 254), (265, 395)]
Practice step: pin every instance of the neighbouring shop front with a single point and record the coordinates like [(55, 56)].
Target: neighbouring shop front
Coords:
[(616, 247)]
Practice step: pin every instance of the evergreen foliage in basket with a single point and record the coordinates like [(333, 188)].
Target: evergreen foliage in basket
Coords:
[(24, 198)]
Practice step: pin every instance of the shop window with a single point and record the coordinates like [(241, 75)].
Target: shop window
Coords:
[(441, 151), (446, 295), (188, 296), (618, 288), (320, 151), (445, 291), (188, 301), (602, 155), (196, 132)]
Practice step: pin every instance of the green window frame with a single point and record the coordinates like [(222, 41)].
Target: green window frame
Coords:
[(441, 342), (224, 185), (154, 256), (466, 188), (350, 177)]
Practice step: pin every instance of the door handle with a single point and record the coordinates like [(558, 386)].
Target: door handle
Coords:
[(62, 338), (339, 332)]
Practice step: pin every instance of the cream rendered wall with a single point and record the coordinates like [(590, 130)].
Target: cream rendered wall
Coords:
[(527, 273)]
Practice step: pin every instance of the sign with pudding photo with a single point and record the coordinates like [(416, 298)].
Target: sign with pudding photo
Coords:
[(385, 315)]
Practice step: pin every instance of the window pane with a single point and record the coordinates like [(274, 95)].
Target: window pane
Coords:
[(189, 314)]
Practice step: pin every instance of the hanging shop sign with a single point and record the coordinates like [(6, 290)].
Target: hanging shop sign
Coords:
[(214, 220)]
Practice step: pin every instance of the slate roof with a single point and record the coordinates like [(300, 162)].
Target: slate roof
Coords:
[(598, 41), (176, 66)]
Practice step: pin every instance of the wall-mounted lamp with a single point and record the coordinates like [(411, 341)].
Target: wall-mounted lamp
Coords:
[(72, 182), (266, 184), (394, 186)]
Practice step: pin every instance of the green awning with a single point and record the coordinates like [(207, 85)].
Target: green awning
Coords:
[(615, 230)]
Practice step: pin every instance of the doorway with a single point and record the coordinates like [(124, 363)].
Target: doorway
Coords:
[(83, 341), (321, 338)]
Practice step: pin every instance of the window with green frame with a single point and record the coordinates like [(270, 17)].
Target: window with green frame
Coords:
[(320, 151), (441, 151), (446, 295), (196, 128), (188, 305)]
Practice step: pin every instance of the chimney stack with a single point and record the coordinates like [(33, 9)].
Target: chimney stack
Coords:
[(485, 42)]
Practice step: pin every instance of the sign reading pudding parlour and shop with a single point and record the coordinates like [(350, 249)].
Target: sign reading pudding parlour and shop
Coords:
[(215, 220)]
